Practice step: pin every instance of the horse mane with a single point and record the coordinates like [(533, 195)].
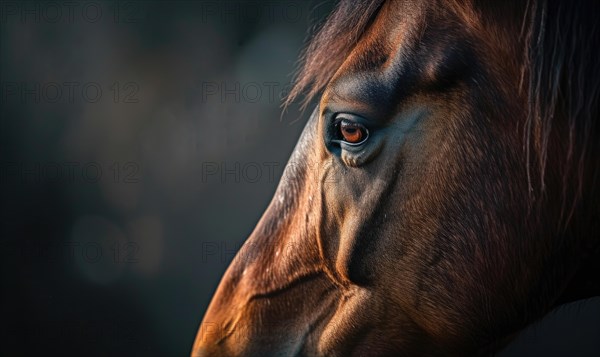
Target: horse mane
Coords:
[(564, 82), (328, 49), (560, 68)]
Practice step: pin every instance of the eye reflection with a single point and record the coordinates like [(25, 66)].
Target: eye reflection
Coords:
[(351, 132)]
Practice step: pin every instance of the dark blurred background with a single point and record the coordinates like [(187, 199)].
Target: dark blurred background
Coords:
[(140, 142)]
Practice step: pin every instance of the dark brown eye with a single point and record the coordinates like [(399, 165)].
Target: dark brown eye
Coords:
[(352, 132)]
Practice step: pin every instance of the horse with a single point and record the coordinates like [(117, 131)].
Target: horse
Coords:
[(443, 194)]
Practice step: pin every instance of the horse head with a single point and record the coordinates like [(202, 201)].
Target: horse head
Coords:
[(443, 194)]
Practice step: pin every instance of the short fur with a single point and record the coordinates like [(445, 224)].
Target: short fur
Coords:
[(469, 213)]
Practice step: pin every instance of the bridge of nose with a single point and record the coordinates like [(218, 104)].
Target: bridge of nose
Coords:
[(268, 302), (276, 288)]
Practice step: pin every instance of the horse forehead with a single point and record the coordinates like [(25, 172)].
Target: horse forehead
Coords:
[(392, 35), (417, 42), (406, 38)]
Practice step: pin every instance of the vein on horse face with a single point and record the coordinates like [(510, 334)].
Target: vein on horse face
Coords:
[(293, 282)]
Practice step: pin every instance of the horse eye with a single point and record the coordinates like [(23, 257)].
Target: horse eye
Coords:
[(352, 132)]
